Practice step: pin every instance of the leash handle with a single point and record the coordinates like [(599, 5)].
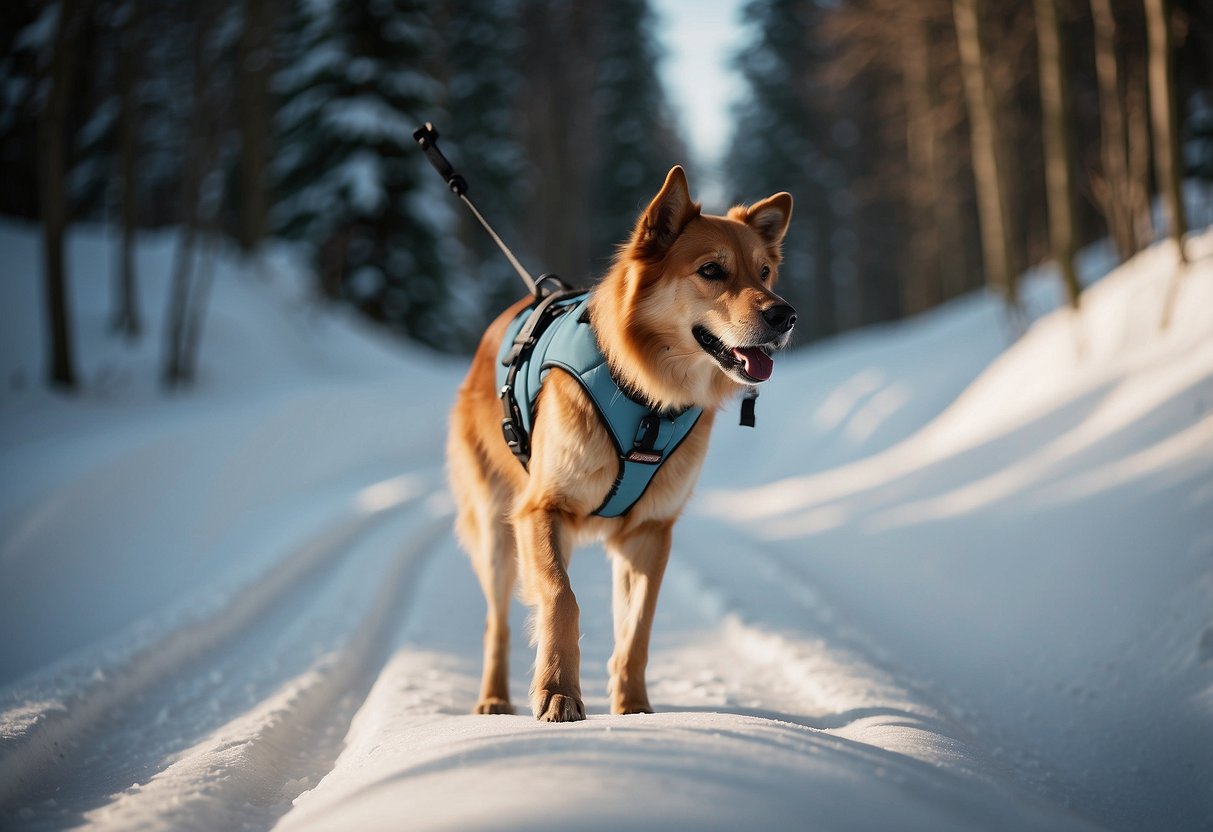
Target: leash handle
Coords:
[(427, 137)]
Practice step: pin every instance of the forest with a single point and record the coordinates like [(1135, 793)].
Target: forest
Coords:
[(932, 147)]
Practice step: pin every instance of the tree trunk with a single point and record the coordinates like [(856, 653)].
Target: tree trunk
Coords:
[(996, 238), (126, 318), (1164, 118), (173, 372), (252, 91), (950, 220), (561, 58), (923, 290), (199, 301), (1138, 118), (193, 168), (1114, 147), (52, 141), (1059, 177)]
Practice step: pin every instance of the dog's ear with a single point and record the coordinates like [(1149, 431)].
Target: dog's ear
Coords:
[(770, 218), (666, 216)]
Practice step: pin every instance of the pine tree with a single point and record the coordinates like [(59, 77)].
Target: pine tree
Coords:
[(355, 86), (636, 142), (483, 80)]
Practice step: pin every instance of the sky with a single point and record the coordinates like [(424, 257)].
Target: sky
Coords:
[(700, 38)]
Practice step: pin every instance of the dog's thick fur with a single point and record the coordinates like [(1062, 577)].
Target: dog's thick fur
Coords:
[(516, 523)]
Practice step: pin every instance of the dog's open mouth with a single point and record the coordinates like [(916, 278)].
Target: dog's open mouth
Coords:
[(752, 363)]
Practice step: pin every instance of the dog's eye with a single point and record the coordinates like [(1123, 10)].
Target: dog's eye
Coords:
[(711, 271), (765, 273)]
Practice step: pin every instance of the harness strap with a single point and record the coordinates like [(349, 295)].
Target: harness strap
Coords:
[(515, 427)]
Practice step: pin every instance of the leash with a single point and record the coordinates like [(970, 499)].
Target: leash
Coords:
[(427, 137)]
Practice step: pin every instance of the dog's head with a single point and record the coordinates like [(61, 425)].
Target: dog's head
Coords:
[(698, 301)]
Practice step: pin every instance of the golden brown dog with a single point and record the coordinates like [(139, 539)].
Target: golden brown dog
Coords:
[(686, 316)]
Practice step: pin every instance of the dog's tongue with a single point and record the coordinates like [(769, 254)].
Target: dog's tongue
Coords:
[(758, 365)]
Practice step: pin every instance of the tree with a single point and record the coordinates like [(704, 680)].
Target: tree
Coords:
[(636, 141), (1058, 139), (1137, 113), (125, 318), (482, 82), (1164, 117), (924, 288), (187, 295), (357, 83), (1113, 188), (997, 235), (561, 50), (52, 134), (253, 74)]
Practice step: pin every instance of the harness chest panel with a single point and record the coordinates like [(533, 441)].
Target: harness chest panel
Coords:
[(562, 337)]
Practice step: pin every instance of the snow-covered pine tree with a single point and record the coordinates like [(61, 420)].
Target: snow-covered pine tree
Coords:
[(355, 84), (636, 141), (482, 79)]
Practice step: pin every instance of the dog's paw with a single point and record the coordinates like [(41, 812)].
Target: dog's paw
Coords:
[(493, 706), (557, 707)]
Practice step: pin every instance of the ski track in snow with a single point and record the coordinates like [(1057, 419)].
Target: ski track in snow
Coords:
[(294, 644)]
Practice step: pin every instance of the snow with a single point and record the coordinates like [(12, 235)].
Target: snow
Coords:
[(945, 584)]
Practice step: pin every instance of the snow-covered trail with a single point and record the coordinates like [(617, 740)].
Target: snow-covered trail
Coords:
[(754, 727), (224, 723)]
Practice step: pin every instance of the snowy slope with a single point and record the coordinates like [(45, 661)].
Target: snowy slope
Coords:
[(941, 586)]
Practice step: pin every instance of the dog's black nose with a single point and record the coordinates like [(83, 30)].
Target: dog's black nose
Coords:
[(780, 317)]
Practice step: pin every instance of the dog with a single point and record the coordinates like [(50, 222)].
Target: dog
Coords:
[(686, 317)]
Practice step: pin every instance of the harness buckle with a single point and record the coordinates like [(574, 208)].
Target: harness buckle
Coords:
[(643, 449), (511, 430)]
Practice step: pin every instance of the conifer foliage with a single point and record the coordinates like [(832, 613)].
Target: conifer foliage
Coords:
[(483, 81), (636, 142), (347, 170)]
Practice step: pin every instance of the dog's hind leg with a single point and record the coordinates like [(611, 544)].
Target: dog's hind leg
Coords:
[(489, 541), (638, 561), (496, 568)]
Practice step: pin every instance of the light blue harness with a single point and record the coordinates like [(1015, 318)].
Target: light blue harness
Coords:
[(563, 337)]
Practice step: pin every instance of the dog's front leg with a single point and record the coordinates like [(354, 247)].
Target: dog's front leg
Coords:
[(638, 561), (543, 547)]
